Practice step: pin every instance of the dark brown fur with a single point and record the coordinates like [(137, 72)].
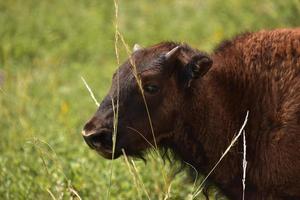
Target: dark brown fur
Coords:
[(198, 117)]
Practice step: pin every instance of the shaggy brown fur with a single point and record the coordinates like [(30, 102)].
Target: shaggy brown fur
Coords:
[(198, 109)]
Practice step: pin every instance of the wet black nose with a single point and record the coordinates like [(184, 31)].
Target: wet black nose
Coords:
[(101, 139), (98, 134)]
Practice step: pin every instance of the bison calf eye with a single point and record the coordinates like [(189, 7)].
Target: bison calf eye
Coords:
[(151, 89)]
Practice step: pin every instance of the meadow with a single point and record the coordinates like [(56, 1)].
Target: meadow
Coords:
[(46, 46)]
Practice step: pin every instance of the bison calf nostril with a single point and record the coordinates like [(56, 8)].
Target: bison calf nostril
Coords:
[(89, 127), (96, 141)]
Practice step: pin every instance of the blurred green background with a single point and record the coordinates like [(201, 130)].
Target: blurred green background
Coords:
[(45, 46)]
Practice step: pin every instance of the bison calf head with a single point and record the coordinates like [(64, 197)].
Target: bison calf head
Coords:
[(148, 90)]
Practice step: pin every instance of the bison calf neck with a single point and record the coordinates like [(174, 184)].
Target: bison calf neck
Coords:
[(197, 103)]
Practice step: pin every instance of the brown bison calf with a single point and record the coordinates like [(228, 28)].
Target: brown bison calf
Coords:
[(197, 103)]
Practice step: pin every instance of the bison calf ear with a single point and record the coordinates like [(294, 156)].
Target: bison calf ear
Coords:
[(197, 67)]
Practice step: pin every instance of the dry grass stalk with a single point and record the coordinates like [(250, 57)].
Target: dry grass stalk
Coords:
[(57, 162), (133, 174), (119, 36), (244, 164), (90, 91), (199, 189)]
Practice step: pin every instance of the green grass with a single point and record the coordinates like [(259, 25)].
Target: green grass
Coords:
[(45, 46)]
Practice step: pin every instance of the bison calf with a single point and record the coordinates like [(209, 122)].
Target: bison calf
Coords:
[(197, 103)]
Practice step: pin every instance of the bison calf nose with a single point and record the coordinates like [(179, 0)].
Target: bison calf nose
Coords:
[(98, 140)]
